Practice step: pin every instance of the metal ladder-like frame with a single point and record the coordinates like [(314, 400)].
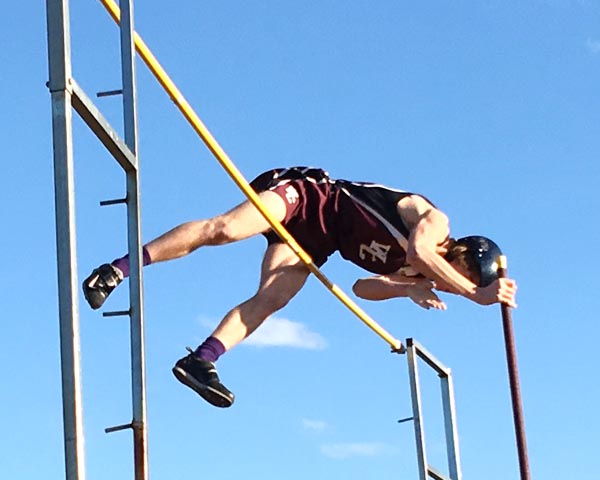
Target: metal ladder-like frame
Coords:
[(414, 351), (66, 95)]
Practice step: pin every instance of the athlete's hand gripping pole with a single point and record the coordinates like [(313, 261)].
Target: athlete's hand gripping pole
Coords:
[(513, 373), (197, 124)]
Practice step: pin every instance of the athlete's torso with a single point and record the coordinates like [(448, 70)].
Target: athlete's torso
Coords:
[(361, 219), (372, 234)]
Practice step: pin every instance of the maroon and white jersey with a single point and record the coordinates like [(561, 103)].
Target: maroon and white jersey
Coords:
[(371, 232), (358, 219)]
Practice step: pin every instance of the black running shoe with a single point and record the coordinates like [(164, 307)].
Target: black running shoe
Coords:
[(102, 281), (201, 376)]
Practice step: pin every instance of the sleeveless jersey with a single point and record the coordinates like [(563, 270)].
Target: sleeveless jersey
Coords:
[(358, 219), (371, 232)]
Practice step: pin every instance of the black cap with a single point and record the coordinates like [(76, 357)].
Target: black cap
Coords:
[(485, 253)]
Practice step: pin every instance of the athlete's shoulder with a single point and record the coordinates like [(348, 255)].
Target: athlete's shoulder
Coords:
[(372, 186), (302, 173), (378, 192)]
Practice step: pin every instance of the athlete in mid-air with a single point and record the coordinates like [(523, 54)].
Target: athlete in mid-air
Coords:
[(399, 236)]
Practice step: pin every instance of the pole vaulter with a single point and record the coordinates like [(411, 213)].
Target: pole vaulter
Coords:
[(396, 345)]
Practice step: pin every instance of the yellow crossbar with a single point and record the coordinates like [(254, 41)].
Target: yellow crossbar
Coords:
[(197, 124)]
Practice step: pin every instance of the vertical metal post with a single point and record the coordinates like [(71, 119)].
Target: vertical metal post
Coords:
[(417, 413), (450, 427), (138, 377), (66, 94), (513, 374), (59, 55)]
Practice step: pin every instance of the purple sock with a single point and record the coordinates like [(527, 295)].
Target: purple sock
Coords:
[(210, 350), (123, 262)]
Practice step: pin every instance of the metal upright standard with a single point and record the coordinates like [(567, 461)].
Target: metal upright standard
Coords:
[(415, 351), (513, 375), (67, 94)]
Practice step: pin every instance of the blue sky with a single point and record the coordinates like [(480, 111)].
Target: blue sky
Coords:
[(489, 108)]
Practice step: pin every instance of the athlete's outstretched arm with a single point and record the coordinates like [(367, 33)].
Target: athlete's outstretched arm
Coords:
[(429, 230), (383, 287)]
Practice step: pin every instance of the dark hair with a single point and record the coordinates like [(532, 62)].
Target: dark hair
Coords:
[(460, 253)]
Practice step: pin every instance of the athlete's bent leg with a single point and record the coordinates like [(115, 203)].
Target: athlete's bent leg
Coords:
[(282, 276)]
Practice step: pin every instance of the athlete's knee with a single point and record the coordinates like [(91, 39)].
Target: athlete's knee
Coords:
[(221, 231)]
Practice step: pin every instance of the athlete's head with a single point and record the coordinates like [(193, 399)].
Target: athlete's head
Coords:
[(476, 256)]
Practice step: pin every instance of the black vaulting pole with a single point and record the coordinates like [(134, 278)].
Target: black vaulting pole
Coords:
[(513, 375)]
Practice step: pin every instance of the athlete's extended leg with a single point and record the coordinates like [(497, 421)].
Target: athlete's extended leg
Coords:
[(282, 276), (237, 224)]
